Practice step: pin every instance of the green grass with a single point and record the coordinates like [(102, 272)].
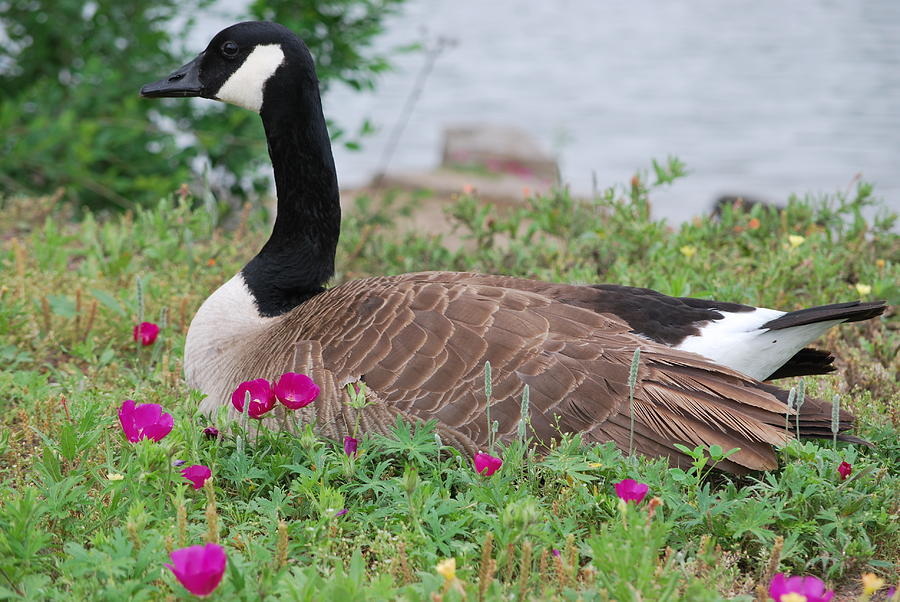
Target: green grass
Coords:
[(68, 303)]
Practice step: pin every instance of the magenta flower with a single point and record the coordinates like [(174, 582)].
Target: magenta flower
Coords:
[(811, 588), (146, 333), (199, 568), (487, 464), (197, 474), (341, 512), (350, 445), (296, 390), (144, 421), (844, 469), (211, 432), (262, 398), (557, 553), (631, 491)]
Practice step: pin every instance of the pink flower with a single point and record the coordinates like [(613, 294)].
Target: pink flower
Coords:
[(487, 464), (199, 568), (296, 390), (197, 474), (631, 491), (811, 588), (211, 432), (146, 332), (144, 421), (262, 398), (350, 445), (844, 469)]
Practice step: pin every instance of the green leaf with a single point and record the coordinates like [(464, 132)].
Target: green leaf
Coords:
[(62, 305), (108, 301)]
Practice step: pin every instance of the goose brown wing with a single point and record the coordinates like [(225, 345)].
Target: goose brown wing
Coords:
[(421, 347), (420, 344)]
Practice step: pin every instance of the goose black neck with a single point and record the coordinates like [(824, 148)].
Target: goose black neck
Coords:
[(298, 259)]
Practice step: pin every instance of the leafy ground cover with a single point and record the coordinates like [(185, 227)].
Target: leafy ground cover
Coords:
[(87, 514)]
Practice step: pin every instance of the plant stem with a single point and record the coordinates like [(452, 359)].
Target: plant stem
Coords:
[(488, 390)]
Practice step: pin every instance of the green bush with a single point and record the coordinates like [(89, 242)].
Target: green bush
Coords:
[(69, 107)]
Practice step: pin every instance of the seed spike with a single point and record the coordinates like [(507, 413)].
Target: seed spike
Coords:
[(632, 381), (790, 406), (524, 414), (139, 298), (801, 397), (632, 373), (244, 422), (282, 545), (486, 570), (524, 569), (835, 419)]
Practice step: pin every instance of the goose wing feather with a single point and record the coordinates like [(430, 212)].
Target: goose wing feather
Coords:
[(420, 342)]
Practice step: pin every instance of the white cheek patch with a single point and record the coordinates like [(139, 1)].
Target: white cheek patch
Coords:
[(245, 86)]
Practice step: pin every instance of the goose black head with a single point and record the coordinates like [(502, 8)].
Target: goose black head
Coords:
[(239, 65)]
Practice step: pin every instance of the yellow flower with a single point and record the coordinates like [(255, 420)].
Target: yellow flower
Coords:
[(795, 240), (879, 263), (793, 597), (871, 583), (114, 476), (688, 251), (447, 568), (863, 289), (595, 464)]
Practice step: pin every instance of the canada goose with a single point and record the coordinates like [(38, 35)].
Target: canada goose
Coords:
[(420, 341)]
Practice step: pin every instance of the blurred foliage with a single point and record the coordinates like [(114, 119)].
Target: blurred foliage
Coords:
[(70, 115)]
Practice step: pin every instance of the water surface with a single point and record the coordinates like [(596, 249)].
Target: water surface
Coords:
[(758, 97)]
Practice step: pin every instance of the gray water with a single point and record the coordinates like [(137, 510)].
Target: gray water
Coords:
[(758, 97)]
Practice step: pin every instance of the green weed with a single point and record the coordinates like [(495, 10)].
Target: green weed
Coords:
[(86, 515)]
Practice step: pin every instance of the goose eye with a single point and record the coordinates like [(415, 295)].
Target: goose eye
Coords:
[(230, 49)]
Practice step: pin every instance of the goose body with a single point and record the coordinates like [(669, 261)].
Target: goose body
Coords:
[(420, 341)]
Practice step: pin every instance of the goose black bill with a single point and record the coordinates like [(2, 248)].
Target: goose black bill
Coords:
[(181, 83)]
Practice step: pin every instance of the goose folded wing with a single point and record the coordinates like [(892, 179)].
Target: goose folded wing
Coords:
[(421, 346)]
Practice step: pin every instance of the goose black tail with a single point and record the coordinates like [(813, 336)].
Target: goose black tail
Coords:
[(806, 362), (854, 311)]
